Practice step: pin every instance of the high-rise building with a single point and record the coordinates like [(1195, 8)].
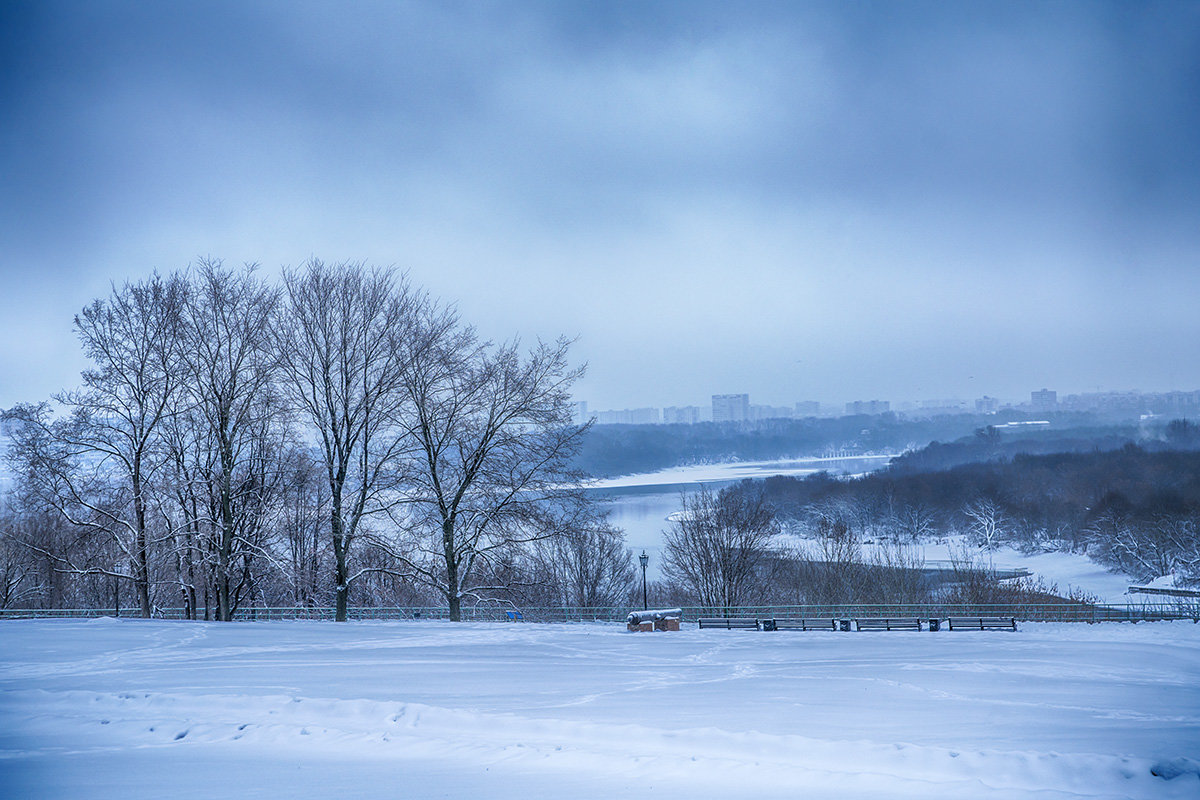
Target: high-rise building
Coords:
[(644, 416), (987, 405), (579, 412), (808, 408), (628, 416), (770, 412), (868, 407), (1045, 400), (730, 407), (681, 415)]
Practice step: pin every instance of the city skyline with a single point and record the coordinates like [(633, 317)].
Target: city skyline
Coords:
[(1045, 400)]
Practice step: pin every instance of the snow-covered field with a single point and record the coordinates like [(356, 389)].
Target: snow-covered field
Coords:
[(152, 709)]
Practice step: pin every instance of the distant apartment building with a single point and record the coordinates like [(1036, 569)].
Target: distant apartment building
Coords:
[(770, 412), (579, 412), (681, 415), (868, 407), (1045, 400), (1178, 404), (987, 405), (1186, 403), (629, 416), (730, 407), (951, 404), (807, 408)]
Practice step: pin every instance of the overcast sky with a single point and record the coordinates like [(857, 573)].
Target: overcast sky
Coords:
[(825, 201)]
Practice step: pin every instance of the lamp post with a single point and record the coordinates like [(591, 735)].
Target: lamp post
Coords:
[(645, 559)]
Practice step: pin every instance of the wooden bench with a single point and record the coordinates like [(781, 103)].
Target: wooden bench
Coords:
[(982, 623), (824, 624), (730, 623), (887, 624)]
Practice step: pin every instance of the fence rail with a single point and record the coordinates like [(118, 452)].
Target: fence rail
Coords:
[(1188, 609)]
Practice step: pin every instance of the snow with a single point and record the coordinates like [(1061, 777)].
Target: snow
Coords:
[(737, 470), (152, 709), (1170, 581), (644, 516), (1068, 570)]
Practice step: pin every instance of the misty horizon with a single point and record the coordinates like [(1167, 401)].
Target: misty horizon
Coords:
[(823, 201)]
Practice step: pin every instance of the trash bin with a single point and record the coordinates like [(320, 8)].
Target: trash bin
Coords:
[(843, 624), (767, 624), (935, 624)]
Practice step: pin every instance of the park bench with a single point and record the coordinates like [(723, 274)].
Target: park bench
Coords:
[(887, 624), (730, 623), (822, 624), (514, 616), (982, 623)]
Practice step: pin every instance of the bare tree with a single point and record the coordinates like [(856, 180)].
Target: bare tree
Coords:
[(718, 545), (588, 566), (341, 352), (832, 571), (303, 520), (914, 522), (988, 521), (99, 466), (20, 581), (491, 439), (190, 459), (231, 372), (1147, 549)]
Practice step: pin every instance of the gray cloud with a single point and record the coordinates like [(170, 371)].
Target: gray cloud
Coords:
[(796, 200)]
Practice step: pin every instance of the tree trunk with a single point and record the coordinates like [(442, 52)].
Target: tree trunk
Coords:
[(343, 589), (340, 546), (225, 554), (141, 549), (451, 571), (223, 605)]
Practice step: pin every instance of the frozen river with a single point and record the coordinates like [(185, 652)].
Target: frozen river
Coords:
[(640, 504)]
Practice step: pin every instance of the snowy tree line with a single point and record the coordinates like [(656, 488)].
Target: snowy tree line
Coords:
[(1135, 509), (343, 437), (339, 437), (735, 548)]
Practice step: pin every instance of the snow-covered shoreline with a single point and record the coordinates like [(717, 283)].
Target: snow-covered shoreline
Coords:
[(644, 524), (732, 471)]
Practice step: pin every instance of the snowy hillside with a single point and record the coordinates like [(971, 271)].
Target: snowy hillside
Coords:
[(135, 709)]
